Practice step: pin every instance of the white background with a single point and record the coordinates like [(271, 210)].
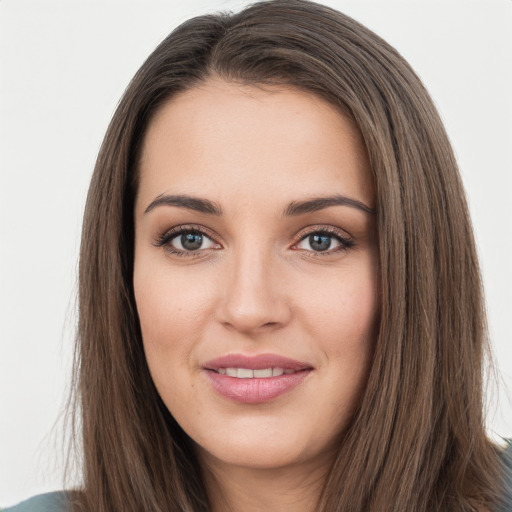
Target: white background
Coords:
[(63, 67)]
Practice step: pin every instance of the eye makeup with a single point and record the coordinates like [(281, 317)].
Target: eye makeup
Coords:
[(192, 240)]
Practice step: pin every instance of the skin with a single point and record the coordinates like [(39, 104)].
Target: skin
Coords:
[(256, 285)]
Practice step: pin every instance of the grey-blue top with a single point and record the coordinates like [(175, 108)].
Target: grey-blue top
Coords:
[(58, 502), (49, 502)]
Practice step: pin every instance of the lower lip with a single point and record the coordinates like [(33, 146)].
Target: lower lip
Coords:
[(255, 391)]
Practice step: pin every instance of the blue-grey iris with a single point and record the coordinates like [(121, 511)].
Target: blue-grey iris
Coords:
[(320, 242), (191, 241)]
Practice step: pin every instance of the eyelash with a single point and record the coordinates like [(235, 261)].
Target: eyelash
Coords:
[(164, 241), (345, 242)]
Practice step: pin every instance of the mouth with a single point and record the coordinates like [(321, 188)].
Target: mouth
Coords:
[(248, 373), (255, 379)]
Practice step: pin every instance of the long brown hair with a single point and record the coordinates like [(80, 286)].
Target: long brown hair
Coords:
[(417, 441)]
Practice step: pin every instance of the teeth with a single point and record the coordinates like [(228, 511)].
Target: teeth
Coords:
[(267, 372), (246, 373)]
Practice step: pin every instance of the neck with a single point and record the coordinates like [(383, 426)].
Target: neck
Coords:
[(284, 489)]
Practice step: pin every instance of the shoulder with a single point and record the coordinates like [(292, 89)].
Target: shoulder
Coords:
[(49, 502), (506, 458)]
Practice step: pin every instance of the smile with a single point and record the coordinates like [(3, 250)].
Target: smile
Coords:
[(255, 379), (248, 373)]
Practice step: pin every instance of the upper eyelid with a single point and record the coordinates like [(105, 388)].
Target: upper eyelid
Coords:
[(321, 228), (170, 233)]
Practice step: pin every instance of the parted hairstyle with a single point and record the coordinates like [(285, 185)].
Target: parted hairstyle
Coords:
[(417, 441)]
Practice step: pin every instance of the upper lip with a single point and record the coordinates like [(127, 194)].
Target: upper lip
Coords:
[(256, 362)]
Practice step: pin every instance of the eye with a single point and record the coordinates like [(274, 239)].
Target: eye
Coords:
[(324, 242), (183, 241), (191, 241)]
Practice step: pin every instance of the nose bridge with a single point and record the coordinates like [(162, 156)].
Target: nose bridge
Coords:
[(253, 296)]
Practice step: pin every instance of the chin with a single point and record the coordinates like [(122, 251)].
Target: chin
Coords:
[(254, 457), (263, 449)]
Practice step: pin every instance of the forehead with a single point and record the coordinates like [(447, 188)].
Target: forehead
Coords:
[(220, 136)]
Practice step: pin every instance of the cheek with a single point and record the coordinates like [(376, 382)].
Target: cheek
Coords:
[(172, 311), (356, 320), (169, 304), (345, 322), (346, 309)]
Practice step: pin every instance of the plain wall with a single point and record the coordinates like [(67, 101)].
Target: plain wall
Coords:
[(63, 67)]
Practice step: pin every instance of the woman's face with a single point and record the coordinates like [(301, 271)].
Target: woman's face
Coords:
[(255, 271)]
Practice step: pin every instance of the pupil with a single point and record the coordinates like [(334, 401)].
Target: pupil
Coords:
[(191, 241), (320, 242)]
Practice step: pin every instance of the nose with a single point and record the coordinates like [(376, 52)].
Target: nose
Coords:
[(254, 297)]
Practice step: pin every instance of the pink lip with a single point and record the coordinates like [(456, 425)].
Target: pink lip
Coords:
[(257, 362), (255, 390)]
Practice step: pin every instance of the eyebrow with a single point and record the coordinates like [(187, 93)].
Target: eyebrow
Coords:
[(183, 201), (295, 208), (319, 203)]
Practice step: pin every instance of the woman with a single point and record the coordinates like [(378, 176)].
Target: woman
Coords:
[(280, 303)]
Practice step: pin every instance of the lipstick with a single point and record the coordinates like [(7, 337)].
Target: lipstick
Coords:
[(255, 379)]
